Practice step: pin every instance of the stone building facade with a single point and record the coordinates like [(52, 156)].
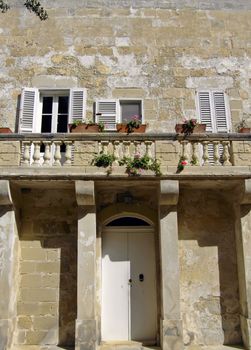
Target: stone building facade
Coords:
[(96, 258)]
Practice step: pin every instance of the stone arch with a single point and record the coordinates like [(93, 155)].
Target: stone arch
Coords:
[(116, 211)]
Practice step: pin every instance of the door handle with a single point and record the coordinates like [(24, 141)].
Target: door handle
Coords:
[(141, 277)]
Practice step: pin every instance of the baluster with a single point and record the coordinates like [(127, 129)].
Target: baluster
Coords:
[(184, 144), (127, 148), (116, 152), (47, 153), (68, 145), (104, 145), (57, 154), (26, 154), (205, 155), (148, 148), (36, 154), (195, 154), (216, 153), (226, 155), (137, 148)]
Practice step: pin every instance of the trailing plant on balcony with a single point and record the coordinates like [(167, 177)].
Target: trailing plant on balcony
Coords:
[(135, 165), (103, 160), (181, 164), (189, 126), (133, 124)]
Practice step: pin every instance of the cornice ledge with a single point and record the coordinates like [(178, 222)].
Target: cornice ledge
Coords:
[(169, 192), (85, 194)]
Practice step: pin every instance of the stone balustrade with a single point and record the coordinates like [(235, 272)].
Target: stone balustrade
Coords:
[(70, 150)]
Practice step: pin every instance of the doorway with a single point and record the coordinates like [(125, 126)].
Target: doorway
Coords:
[(129, 299)]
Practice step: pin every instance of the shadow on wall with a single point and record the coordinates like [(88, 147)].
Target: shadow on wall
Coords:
[(48, 242), (209, 278)]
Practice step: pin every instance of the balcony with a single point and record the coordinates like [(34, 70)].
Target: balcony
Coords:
[(69, 156)]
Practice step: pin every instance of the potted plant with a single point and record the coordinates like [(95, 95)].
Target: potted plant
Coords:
[(242, 127), (133, 124), (190, 126), (104, 160), (79, 126), (5, 131), (135, 165)]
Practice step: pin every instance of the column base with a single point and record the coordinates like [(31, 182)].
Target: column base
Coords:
[(6, 332), (246, 331), (171, 335), (86, 335)]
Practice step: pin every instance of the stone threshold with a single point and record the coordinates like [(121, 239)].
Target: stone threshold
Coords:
[(125, 345)]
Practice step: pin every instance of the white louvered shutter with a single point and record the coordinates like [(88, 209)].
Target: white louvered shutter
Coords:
[(77, 106), (107, 113), (28, 110), (205, 110), (221, 121)]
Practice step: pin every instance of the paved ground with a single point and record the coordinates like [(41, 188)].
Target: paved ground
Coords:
[(124, 346)]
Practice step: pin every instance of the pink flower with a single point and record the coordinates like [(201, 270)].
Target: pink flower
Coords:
[(184, 162)]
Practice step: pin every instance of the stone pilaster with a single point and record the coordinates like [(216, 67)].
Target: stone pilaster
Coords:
[(171, 324), (243, 245), (86, 326), (8, 265)]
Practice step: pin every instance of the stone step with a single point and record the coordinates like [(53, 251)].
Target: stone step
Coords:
[(126, 345)]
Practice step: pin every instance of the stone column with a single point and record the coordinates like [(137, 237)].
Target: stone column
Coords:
[(86, 326), (243, 247), (8, 266), (171, 324)]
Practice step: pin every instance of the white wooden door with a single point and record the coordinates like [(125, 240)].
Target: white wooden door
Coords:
[(129, 310)]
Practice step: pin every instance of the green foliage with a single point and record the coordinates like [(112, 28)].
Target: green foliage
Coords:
[(3, 6), (103, 160), (181, 165), (189, 125), (31, 5), (133, 123), (135, 165)]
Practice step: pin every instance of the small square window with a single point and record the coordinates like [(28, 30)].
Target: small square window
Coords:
[(130, 109)]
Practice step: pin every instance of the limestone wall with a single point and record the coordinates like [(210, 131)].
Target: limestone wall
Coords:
[(209, 280), (46, 313), (158, 51)]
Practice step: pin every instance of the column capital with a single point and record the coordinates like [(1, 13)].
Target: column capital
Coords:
[(85, 194), (5, 196), (169, 192), (246, 192)]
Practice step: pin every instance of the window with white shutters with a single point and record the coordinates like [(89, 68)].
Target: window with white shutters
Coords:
[(50, 111), (213, 110), (107, 113), (110, 112), (28, 109)]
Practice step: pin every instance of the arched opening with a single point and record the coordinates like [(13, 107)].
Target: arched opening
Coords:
[(127, 221)]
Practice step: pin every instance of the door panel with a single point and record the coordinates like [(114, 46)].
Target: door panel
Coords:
[(141, 254), (115, 289), (129, 310)]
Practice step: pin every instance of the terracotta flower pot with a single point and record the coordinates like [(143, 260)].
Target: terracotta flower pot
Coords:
[(84, 128), (244, 130), (124, 128), (5, 131), (199, 128)]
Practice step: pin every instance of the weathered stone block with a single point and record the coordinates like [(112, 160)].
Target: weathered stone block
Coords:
[(41, 337), (45, 323), (172, 334), (24, 322), (50, 267), (38, 295), (86, 334), (33, 254)]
